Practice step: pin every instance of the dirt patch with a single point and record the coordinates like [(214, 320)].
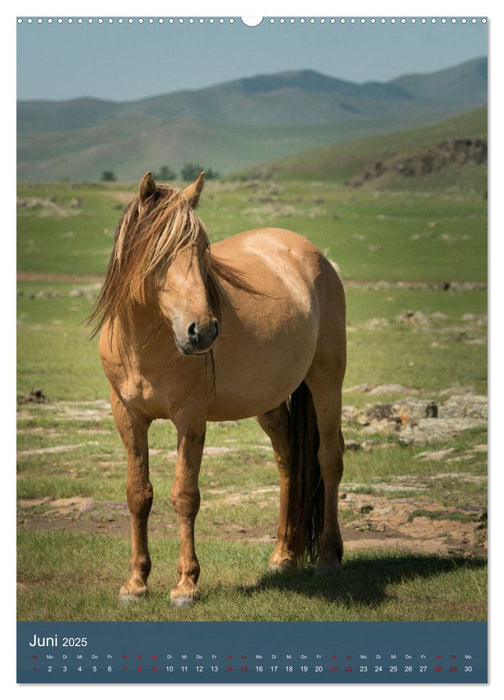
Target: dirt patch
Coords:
[(123, 197), (76, 513), (413, 524), (208, 451), (93, 411), (376, 389), (48, 207), (369, 520), (29, 276), (266, 208), (49, 450), (449, 285)]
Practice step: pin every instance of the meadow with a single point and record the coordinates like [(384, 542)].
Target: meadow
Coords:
[(413, 261)]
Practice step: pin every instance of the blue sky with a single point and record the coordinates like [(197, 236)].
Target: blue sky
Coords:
[(130, 61)]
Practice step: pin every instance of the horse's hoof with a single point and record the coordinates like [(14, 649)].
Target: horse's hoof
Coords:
[(281, 564), (184, 596), (183, 601), (126, 596), (284, 566), (328, 569)]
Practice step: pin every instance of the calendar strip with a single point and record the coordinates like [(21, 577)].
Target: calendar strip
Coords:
[(102, 652)]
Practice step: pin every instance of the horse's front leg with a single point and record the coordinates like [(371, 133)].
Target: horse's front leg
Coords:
[(133, 429), (186, 501)]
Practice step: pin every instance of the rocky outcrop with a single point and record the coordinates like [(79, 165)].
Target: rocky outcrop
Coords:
[(458, 151)]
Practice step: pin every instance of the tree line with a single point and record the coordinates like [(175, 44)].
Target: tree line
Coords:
[(188, 173)]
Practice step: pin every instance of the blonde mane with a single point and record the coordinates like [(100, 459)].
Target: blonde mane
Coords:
[(148, 237)]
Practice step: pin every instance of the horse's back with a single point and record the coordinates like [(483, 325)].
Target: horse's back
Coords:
[(281, 263), (262, 246)]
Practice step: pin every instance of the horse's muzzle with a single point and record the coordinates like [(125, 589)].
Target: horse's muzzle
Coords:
[(199, 338)]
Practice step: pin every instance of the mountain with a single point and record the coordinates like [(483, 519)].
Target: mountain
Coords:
[(232, 125), (455, 85)]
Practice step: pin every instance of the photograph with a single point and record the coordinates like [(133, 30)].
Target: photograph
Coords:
[(251, 306)]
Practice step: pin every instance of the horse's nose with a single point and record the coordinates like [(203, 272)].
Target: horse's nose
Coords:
[(202, 336)]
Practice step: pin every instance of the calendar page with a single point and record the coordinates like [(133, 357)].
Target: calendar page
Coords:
[(251, 349)]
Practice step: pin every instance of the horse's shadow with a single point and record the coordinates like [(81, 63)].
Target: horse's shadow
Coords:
[(362, 580)]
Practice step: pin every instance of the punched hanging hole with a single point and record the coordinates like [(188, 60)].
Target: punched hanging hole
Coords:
[(251, 21)]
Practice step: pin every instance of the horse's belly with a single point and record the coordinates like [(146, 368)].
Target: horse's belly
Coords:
[(255, 391), (259, 363)]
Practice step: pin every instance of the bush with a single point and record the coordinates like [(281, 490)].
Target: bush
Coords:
[(191, 171), (165, 173)]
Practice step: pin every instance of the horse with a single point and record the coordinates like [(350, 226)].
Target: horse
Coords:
[(253, 325)]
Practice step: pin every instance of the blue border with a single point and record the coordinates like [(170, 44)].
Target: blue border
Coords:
[(252, 652)]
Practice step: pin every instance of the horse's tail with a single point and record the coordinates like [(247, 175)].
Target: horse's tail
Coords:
[(305, 515)]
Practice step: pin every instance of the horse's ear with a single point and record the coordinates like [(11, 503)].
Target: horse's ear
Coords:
[(193, 191), (147, 187)]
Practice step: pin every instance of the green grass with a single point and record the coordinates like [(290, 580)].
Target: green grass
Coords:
[(237, 587), (54, 350), (386, 235), (382, 235), (440, 515)]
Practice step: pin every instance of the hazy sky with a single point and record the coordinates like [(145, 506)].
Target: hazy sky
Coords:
[(133, 60)]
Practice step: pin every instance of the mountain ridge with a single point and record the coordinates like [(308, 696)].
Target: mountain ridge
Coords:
[(54, 115), (234, 125)]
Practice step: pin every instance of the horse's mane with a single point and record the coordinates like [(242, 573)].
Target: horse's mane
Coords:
[(148, 236)]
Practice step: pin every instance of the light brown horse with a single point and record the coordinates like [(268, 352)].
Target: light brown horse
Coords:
[(253, 325)]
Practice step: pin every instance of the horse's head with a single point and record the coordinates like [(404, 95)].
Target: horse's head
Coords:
[(180, 281), (161, 264)]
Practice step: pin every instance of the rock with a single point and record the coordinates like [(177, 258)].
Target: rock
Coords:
[(420, 421), (34, 396), (435, 455), (414, 318), (352, 445), (432, 431), (465, 406)]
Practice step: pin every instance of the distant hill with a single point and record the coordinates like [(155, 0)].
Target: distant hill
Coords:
[(453, 84), (353, 161), (232, 125)]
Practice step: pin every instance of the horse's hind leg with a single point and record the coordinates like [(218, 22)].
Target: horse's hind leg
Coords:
[(275, 423), (327, 402), (133, 430)]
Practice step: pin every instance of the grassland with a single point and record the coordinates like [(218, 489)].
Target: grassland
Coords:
[(414, 264), (339, 161)]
